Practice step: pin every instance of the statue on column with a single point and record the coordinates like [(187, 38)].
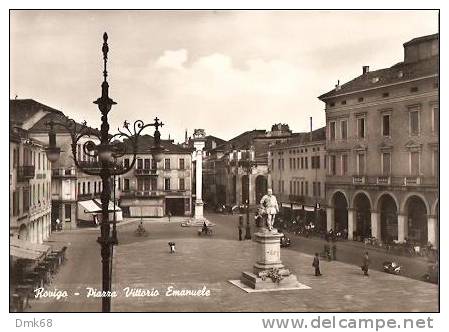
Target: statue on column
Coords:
[(270, 206)]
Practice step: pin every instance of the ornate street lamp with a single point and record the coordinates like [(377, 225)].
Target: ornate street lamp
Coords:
[(109, 149)]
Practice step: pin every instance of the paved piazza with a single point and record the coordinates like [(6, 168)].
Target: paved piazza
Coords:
[(145, 262)]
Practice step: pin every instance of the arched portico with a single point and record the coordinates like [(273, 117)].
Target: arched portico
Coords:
[(362, 210)]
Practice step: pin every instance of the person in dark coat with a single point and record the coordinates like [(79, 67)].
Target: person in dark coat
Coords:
[(316, 265), (365, 264)]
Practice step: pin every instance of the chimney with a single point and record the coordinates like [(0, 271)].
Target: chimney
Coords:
[(365, 69), (337, 87), (311, 129)]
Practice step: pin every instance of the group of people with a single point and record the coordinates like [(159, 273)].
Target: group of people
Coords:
[(364, 266)]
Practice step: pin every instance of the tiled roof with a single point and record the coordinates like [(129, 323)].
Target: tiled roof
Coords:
[(23, 109), (395, 74), (318, 135), (421, 39), (145, 142)]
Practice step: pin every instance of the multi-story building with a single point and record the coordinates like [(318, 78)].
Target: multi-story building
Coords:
[(298, 172), (155, 189), (30, 185), (238, 169), (382, 145), (68, 185)]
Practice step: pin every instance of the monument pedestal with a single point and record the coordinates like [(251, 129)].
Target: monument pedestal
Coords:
[(268, 272)]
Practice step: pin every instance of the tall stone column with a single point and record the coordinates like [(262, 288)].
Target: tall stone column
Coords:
[(352, 225), (402, 227), (238, 190), (330, 218), (432, 229), (252, 189), (375, 225), (199, 139)]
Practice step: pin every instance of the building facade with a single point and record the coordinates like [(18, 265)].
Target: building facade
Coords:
[(156, 189), (30, 188), (297, 173), (69, 185), (382, 146)]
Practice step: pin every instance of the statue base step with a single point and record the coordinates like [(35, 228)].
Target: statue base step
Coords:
[(257, 282)]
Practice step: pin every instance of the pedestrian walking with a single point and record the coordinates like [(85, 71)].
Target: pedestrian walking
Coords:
[(240, 228), (172, 247), (365, 264), (316, 265), (57, 224), (169, 216)]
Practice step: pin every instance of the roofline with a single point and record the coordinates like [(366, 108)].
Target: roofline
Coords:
[(377, 87), (281, 147), (422, 39)]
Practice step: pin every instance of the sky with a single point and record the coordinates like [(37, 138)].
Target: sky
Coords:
[(224, 71)]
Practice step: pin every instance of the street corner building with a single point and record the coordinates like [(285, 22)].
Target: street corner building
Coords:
[(382, 149), (157, 189)]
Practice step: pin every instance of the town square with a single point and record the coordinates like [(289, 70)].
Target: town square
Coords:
[(186, 174)]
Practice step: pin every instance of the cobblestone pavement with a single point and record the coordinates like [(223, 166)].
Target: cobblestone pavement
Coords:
[(145, 262)]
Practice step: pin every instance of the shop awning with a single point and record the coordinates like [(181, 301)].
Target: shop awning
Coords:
[(110, 207), (299, 207), (94, 206), (27, 250)]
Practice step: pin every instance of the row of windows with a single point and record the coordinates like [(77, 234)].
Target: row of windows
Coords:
[(298, 163), (35, 196), (86, 187), (151, 184), (148, 163), (300, 188), (414, 163), (385, 94), (385, 125), (39, 159)]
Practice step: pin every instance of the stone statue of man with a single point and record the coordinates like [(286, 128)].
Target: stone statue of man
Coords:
[(271, 207)]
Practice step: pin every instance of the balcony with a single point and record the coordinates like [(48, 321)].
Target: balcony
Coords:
[(63, 173), (25, 173), (412, 181), (145, 172), (383, 180), (358, 179)]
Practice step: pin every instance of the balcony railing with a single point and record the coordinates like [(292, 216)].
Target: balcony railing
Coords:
[(412, 181), (383, 180), (25, 173), (358, 179), (63, 172), (145, 172)]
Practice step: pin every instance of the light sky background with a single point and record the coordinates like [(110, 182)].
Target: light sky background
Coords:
[(224, 71)]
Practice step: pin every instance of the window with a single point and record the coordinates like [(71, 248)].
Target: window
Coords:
[(79, 188), (435, 119), (319, 189), (84, 188), (182, 163), (361, 127), (126, 185), (294, 163), (291, 188), (414, 89), (344, 129), (302, 188), (331, 104), (68, 212), (167, 182), (153, 183), (314, 188), (88, 187), (126, 162), (39, 161), (435, 163), (306, 163), (167, 164), (26, 200), (290, 163), (147, 163), (414, 122), (361, 164), (95, 186), (386, 125), (414, 163), (282, 164), (153, 164), (333, 165), (332, 130), (360, 99), (307, 188), (385, 94), (386, 163), (343, 102), (182, 184), (302, 162), (279, 164), (344, 164)]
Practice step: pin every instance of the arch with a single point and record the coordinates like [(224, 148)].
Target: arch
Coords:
[(411, 194), (261, 187), (333, 193), (377, 200), (362, 208), (23, 232), (340, 204), (358, 192), (435, 207), (416, 211), (387, 205)]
